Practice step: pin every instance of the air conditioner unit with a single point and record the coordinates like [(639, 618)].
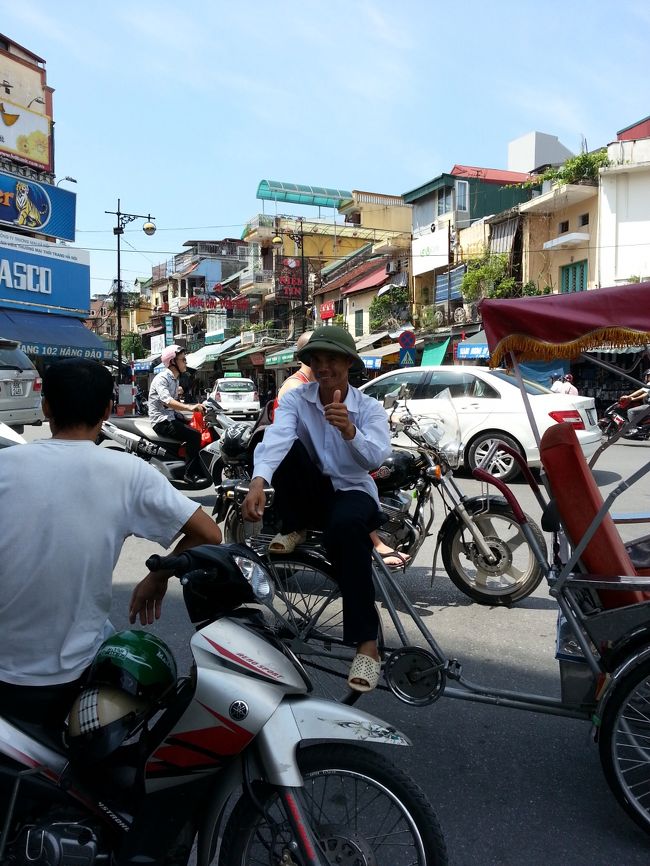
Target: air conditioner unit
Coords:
[(392, 267), (248, 338)]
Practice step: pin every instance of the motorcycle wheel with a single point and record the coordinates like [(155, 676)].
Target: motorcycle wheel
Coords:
[(362, 808), (515, 574), (624, 744), (309, 614), (233, 527)]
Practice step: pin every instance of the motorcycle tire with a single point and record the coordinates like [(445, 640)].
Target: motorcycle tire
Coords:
[(623, 744), (309, 619), (361, 807), (514, 576)]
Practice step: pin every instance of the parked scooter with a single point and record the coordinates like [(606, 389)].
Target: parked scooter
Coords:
[(136, 435), (152, 764)]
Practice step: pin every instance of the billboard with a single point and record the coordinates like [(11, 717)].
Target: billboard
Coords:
[(37, 207), (430, 251), (25, 135), (43, 277)]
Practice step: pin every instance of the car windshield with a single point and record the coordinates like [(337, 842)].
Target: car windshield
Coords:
[(531, 387), (235, 386)]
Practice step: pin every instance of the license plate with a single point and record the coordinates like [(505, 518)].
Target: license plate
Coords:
[(16, 389), (591, 416)]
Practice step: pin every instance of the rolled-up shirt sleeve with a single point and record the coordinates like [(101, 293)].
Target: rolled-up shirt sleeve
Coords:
[(371, 443)]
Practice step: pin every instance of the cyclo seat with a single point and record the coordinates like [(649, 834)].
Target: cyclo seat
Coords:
[(578, 500)]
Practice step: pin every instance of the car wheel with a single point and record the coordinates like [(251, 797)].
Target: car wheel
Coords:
[(503, 465)]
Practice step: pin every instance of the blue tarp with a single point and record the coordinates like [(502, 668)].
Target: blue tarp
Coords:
[(52, 335), (543, 372)]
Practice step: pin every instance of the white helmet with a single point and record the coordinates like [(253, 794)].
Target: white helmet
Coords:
[(101, 719), (169, 354)]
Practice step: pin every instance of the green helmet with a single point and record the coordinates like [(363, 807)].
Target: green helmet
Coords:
[(137, 662)]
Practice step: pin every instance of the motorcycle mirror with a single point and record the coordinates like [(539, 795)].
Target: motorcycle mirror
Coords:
[(390, 399)]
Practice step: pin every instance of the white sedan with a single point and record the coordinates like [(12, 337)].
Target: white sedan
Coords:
[(489, 406)]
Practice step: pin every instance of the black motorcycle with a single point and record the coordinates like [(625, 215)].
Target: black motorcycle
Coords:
[(487, 554), (141, 402), (137, 436), (614, 421)]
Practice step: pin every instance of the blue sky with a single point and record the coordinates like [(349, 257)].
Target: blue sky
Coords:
[(180, 109)]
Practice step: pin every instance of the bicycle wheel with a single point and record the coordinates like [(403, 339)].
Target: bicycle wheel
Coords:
[(363, 810), (515, 573), (310, 610), (624, 744)]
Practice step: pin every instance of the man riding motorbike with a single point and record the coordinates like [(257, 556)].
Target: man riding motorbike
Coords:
[(165, 409), (636, 413)]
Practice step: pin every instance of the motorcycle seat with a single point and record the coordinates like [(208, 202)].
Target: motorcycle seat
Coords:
[(141, 427), (578, 500)]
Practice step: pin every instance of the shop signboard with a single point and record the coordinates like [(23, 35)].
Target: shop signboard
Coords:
[(290, 283), (430, 251), (157, 344), (38, 276), (169, 330), (37, 207), (25, 135), (328, 310)]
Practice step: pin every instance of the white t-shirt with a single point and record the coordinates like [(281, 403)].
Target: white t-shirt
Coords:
[(67, 507)]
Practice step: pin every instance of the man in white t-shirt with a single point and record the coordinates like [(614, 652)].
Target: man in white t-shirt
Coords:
[(67, 508)]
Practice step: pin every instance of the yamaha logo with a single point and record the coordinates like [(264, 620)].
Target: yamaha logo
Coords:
[(238, 710)]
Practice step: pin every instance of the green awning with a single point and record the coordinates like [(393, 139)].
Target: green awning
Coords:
[(434, 354), (295, 193), (229, 362), (286, 356)]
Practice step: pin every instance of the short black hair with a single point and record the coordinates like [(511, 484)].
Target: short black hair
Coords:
[(77, 391)]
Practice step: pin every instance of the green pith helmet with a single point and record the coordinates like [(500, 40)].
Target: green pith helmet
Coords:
[(137, 662)]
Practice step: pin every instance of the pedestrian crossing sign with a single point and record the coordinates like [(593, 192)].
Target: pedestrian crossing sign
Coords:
[(407, 357)]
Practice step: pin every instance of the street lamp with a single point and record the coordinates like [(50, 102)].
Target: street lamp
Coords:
[(123, 219), (298, 238), (68, 178)]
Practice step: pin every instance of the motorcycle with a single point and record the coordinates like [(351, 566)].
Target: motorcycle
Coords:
[(615, 421), (487, 554), (137, 436), (141, 402), (223, 757)]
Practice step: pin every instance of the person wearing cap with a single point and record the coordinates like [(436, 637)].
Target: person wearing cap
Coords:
[(318, 454)]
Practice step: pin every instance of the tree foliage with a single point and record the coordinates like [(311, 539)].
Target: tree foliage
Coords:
[(132, 345), (390, 309)]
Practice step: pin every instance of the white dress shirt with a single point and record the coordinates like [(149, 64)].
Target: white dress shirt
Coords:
[(346, 462)]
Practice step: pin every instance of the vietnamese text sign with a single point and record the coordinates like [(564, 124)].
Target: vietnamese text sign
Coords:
[(44, 277)]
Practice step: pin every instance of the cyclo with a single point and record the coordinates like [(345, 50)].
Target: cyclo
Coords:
[(601, 586)]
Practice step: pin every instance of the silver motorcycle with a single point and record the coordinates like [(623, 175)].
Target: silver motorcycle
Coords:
[(237, 761)]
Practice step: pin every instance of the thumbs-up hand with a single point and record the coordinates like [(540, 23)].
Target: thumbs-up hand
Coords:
[(336, 414)]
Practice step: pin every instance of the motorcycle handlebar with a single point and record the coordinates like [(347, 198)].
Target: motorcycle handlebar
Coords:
[(178, 563)]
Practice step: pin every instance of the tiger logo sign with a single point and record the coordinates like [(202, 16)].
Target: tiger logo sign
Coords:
[(29, 214)]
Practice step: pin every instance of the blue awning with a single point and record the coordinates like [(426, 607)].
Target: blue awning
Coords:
[(52, 336)]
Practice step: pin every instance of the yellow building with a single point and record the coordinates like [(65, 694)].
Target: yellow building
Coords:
[(559, 247)]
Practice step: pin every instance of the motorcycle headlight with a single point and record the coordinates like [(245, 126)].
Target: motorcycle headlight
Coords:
[(260, 582)]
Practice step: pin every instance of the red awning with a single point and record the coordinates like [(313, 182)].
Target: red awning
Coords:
[(563, 326), (375, 278)]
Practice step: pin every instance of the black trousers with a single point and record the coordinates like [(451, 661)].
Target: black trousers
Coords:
[(305, 499), (46, 706), (181, 431)]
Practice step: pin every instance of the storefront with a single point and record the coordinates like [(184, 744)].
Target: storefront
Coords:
[(45, 298), (278, 366)]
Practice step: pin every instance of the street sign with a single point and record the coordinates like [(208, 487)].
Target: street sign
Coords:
[(407, 357), (407, 340)]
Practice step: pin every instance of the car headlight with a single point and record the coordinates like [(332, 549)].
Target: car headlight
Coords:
[(261, 582)]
